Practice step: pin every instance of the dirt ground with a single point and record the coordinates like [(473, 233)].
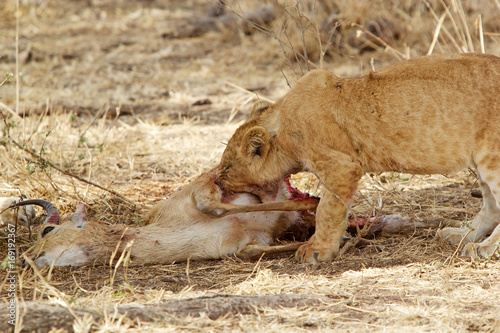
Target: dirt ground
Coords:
[(140, 97)]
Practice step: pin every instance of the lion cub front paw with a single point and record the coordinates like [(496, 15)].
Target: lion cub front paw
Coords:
[(452, 235), (311, 254), (473, 250)]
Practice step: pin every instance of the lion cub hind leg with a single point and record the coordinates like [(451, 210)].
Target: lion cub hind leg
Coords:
[(490, 220), (487, 248), (485, 222)]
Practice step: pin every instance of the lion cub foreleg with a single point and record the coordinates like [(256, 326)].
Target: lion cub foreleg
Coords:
[(340, 176), (331, 223)]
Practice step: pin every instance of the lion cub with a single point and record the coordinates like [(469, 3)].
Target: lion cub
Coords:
[(433, 115)]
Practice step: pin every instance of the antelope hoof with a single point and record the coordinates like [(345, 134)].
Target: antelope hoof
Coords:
[(250, 252)]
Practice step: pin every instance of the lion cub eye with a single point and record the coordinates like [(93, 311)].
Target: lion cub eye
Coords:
[(47, 230)]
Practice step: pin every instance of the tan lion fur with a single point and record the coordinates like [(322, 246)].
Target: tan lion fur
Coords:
[(432, 115)]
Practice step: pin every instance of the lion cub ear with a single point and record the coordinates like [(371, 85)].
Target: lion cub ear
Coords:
[(258, 108), (255, 144)]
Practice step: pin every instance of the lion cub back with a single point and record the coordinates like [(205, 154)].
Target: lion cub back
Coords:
[(426, 115)]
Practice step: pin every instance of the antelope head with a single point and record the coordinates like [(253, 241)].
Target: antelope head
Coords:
[(61, 243)]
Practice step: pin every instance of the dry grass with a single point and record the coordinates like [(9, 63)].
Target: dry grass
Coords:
[(113, 102)]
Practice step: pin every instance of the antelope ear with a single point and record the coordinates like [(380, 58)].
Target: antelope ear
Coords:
[(255, 143), (80, 216), (258, 108)]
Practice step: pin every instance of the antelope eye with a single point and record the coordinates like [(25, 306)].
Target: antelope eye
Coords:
[(47, 230)]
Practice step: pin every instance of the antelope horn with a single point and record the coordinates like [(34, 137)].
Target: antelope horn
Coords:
[(52, 212)]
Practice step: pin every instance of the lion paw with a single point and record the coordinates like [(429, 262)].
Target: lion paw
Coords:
[(473, 250), (310, 254), (452, 235)]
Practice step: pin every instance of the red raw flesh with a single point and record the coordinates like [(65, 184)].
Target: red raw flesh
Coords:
[(295, 194)]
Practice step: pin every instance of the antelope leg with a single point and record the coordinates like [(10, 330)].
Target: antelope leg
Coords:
[(218, 209), (252, 251)]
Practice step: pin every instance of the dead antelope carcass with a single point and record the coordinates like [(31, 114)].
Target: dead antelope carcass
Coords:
[(246, 225)]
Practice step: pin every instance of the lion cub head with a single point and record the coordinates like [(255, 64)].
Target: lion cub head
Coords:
[(252, 158)]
